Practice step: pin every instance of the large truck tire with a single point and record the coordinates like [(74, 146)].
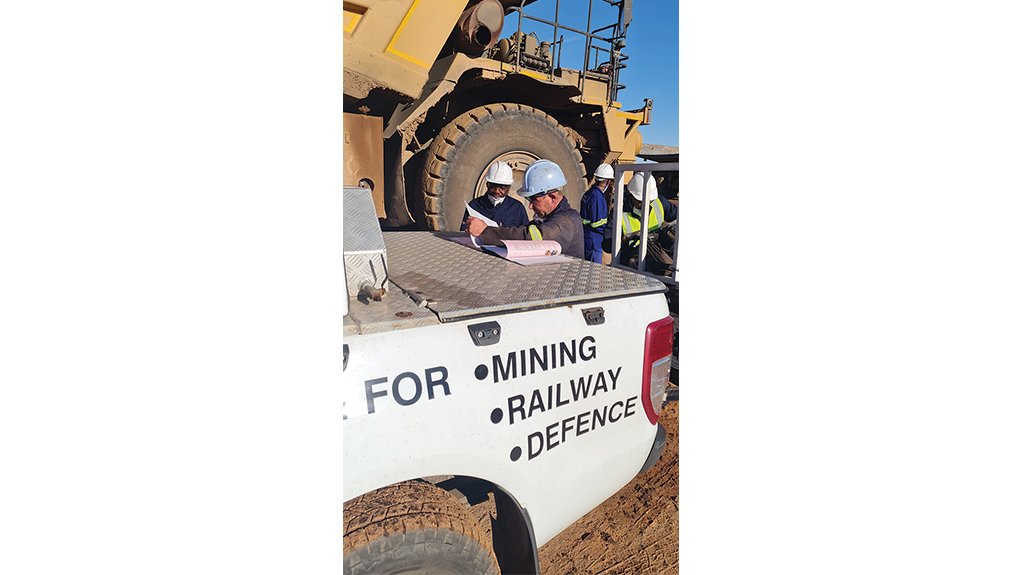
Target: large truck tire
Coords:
[(413, 527), (457, 158)]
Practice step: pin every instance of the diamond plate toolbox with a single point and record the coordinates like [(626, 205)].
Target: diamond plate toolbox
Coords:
[(459, 282), (365, 254)]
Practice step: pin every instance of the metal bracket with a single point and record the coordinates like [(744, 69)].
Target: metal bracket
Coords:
[(485, 333), (672, 394)]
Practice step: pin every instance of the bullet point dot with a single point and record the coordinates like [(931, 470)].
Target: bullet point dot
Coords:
[(496, 415), (481, 371), (516, 454)]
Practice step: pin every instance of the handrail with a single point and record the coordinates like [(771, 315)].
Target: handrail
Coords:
[(619, 187), (556, 45)]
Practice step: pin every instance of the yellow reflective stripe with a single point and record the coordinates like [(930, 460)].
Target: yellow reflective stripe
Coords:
[(598, 223), (534, 233), (585, 222), (630, 223), (657, 215)]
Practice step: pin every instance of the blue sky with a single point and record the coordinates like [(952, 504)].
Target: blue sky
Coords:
[(653, 68), (652, 48)]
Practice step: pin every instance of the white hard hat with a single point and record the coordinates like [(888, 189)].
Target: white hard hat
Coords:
[(500, 174), (636, 184), (604, 172), (541, 177)]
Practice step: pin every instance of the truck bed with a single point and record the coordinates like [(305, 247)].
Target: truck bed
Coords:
[(455, 282)]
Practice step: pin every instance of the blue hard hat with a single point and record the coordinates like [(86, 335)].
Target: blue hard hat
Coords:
[(541, 177)]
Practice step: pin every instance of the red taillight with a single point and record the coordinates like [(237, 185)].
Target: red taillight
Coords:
[(656, 366)]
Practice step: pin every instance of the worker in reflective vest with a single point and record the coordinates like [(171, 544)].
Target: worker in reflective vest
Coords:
[(594, 213), (631, 223)]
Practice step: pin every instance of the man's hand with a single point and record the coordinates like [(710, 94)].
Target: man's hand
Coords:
[(475, 226)]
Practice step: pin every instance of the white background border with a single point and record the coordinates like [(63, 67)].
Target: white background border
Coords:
[(170, 252)]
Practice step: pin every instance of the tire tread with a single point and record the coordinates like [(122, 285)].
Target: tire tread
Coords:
[(447, 142), (402, 522)]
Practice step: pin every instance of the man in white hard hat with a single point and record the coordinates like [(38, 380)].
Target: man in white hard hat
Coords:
[(660, 213), (594, 213), (554, 218), (495, 204)]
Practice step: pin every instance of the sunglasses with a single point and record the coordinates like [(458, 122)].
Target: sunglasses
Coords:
[(538, 196)]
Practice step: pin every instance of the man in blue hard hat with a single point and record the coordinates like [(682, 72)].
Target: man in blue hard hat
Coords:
[(553, 218)]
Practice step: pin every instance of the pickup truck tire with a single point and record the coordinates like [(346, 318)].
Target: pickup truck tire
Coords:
[(413, 527), (459, 155)]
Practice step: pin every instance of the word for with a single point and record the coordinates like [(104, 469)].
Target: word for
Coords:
[(577, 425), (580, 388), (528, 361), (407, 387)]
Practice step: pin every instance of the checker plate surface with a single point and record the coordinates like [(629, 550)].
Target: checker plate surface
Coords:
[(460, 282), (361, 228), (396, 311)]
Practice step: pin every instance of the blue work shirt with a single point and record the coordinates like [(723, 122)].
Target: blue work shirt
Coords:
[(594, 220), (509, 213)]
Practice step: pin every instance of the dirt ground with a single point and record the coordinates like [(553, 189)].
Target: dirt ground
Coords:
[(633, 532)]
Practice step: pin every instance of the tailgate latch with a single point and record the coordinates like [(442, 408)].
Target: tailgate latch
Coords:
[(485, 333), (593, 315)]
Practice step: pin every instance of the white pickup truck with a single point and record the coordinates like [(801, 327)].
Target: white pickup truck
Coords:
[(473, 382)]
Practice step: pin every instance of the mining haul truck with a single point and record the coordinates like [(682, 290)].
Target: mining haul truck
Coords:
[(436, 91)]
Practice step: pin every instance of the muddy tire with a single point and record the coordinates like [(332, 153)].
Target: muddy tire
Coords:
[(413, 527), (456, 160)]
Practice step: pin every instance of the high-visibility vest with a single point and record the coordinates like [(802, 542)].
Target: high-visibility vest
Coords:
[(630, 223)]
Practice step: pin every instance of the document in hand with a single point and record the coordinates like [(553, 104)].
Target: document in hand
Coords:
[(476, 214), (529, 252)]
